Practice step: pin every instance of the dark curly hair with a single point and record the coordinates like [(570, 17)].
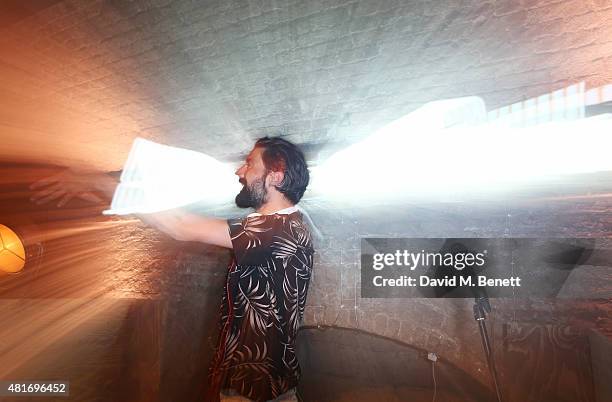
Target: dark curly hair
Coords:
[(281, 155)]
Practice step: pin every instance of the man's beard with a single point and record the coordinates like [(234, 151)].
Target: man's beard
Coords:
[(253, 195)]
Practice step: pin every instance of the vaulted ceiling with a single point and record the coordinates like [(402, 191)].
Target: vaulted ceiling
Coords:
[(80, 79)]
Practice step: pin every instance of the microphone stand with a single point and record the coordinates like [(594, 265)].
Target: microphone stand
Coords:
[(481, 308)]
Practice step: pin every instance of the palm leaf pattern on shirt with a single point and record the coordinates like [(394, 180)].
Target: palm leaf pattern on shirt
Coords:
[(291, 294), (295, 284), (251, 228), (248, 361), (252, 305), (275, 315), (265, 298), (230, 347), (289, 356)]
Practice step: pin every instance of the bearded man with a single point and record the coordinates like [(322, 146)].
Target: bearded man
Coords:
[(268, 275)]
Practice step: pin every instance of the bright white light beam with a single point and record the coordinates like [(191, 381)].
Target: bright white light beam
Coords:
[(442, 148), (159, 177), (446, 147)]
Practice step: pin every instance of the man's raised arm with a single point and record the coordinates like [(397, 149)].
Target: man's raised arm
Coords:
[(184, 226), (97, 187)]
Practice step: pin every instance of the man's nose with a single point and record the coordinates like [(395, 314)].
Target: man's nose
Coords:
[(238, 171)]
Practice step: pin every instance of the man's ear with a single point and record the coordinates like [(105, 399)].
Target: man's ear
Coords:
[(276, 178)]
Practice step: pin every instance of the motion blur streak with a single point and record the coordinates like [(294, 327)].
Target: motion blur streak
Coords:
[(79, 287), (23, 340)]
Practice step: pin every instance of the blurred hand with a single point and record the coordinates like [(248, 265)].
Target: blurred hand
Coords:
[(71, 184)]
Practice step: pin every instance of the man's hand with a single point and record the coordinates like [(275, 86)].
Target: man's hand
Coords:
[(94, 187)]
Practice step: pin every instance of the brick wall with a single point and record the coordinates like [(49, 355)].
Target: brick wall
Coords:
[(446, 326), (81, 79)]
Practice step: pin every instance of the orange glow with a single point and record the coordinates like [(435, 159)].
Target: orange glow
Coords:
[(12, 253)]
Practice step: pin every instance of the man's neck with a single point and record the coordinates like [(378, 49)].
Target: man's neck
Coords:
[(271, 207)]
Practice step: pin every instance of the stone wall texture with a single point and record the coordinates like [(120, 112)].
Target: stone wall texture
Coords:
[(213, 75), (81, 79)]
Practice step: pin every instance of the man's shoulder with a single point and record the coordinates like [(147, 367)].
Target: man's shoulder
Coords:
[(299, 229), (274, 224)]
